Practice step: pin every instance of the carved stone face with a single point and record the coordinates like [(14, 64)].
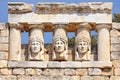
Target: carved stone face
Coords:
[(59, 46), (82, 47), (35, 46)]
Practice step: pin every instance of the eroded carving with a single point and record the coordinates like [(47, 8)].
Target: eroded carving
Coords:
[(59, 47), (82, 48), (35, 48)]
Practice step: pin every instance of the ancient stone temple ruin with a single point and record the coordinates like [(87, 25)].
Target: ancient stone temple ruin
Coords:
[(35, 62)]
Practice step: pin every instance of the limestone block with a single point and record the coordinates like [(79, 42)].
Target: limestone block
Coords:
[(4, 40), (75, 78), (100, 78), (115, 78), (107, 72), (24, 77), (19, 7), (3, 63), (115, 40), (27, 64), (71, 64), (94, 71), (54, 64), (9, 77), (115, 47), (69, 72), (18, 71), (31, 71), (4, 33), (86, 78), (117, 71), (3, 26), (96, 64), (59, 77), (6, 71), (116, 26), (81, 72), (35, 77), (115, 55), (114, 33), (116, 63), (3, 55), (4, 47)]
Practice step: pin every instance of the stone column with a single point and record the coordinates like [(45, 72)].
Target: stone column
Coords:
[(103, 42), (15, 42), (36, 43), (60, 42), (83, 42)]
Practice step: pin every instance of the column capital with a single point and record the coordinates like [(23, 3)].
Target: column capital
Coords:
[(84, 25), (99, 26), (33, 26), (16, 25), (60, 25)]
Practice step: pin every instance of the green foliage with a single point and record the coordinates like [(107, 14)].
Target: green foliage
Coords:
[(71, 41), (116, 17)]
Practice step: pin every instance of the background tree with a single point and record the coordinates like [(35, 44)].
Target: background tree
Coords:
[(116, 17)]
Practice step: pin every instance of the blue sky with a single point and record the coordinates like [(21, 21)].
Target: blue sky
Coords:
[(48, 36)]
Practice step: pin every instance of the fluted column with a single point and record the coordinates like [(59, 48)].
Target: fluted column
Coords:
[(83, 42), (60, 42), (15, 42), (36, 42), (103, 42)]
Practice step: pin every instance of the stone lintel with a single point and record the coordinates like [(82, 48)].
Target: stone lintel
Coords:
[(90, 7), (27, 64), (19, 7), (57, 64), (16, 25)]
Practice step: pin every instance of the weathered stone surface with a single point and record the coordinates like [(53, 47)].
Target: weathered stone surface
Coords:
[(9, 77), (4, 39), (115, 55), (71, 64), (4, 33), (24, 77), (19, 7), (3, 55), (94, 71), (96, 64), (75, 78), (31, 71), (3, 47), (115, 78), (115, 40), (3, 26), (86, 78), (59, 77), (114, 33), (116, 26), (81, 72), (69, 72), (40, 77), (116, 63), (3, 63), (6, 71), (54, 64), (27, 64), (107, 72), (115, 47), (117, 71), (100, 78), (18, 71)]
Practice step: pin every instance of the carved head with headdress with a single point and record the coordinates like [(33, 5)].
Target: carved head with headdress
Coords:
[(82, 44), (59, 43)]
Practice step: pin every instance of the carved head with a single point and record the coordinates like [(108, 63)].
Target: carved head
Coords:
[(35, 44), (82, 44), (59, 44)]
